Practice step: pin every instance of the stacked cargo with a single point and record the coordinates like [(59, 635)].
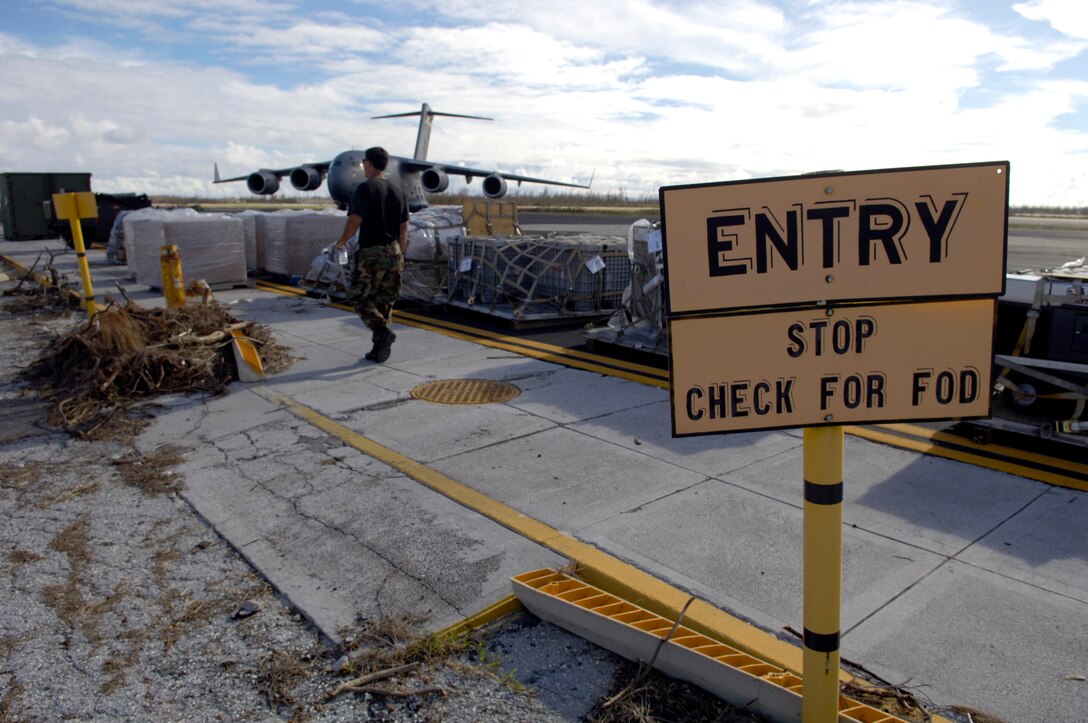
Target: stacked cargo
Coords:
[(538, 277), (429, 234), (249, 228), (639, 323), (293, 239), (143, 229), (211, 246)]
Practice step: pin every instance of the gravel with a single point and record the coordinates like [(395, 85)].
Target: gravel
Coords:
[(122, 604)]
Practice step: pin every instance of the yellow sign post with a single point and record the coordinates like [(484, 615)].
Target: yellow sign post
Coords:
[(71, 207), (173, 284), (771, 291), (822, 573)]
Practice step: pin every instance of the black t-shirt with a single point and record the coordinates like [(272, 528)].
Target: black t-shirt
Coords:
[(382, 207)]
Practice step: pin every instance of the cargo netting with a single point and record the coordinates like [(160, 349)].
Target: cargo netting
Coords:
[(538, 276)]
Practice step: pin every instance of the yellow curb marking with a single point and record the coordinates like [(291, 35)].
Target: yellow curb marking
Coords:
[(925, 447), (595, 566)]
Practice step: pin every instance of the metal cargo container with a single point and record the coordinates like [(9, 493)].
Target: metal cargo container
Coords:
[(23, 197)]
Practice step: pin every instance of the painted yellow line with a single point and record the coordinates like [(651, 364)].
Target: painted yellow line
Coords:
[(548, 350), (925, 447), (490, 614), (556, 355), (994, 449), (530, 343), (560, 355), (282, 288), (594, 565), (544, 352)]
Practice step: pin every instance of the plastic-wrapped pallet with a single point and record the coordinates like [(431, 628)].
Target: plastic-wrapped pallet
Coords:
[(430, 232), (211, 246), (140, 233), (271, 229), (305, 236), (145, 225), (249, 228)]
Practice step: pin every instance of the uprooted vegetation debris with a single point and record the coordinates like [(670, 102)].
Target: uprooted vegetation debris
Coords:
[(126, 354), (48, 290)]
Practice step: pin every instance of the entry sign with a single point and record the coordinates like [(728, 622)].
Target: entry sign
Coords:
[(897, 234), (822, 365)]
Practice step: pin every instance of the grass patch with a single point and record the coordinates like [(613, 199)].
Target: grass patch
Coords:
[(149, 473), (19, 558), (7, 702), (278, 673), (660, 698)]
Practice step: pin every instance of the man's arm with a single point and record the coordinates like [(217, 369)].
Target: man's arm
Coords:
[(350, 227), (404, 238)]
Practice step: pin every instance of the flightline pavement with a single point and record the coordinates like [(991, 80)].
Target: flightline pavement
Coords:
[(967, 585)]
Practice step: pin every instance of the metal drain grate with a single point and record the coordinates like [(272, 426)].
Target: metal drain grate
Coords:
[(465, 391)]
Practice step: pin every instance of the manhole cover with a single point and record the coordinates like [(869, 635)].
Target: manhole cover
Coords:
[(465, 391)]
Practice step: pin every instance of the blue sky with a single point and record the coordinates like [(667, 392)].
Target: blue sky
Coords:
[(148, 94)]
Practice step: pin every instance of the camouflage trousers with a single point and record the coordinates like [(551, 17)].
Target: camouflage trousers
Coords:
[(375, 283)]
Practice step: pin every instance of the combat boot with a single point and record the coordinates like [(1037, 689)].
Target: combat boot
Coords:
[(383, 344)]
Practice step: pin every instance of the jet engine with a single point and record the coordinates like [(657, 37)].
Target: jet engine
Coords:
[(306, 178), (434, 180), (264, 183), (494, 186)]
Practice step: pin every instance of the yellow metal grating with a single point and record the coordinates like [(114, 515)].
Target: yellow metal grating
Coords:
[(465, 391), (591, 607)]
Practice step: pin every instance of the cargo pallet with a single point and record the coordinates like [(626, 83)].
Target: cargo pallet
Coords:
[(538, 279)]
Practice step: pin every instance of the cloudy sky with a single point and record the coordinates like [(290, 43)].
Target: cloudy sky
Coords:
[(148, 94)]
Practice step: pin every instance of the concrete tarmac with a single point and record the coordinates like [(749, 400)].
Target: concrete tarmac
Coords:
[(967, 585)]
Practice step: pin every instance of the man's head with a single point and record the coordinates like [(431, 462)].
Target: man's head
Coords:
[(377, 157)]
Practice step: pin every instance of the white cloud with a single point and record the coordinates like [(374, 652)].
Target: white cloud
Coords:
[(1068, 17), (34, 135), (647, 93)]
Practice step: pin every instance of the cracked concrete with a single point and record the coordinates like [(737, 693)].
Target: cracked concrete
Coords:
[(329, 525), (593, 457), (932, 548)]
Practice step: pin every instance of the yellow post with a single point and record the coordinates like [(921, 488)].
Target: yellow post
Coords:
[(72, 207), (823, 573), (173, 284)]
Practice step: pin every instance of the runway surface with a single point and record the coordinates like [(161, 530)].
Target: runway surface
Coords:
[(965, 571)]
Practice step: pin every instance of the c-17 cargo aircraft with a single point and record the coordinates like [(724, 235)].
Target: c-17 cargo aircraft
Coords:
[(417, 175)]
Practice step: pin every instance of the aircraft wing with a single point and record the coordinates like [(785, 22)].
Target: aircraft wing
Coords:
[(411, 165), (321, 167)]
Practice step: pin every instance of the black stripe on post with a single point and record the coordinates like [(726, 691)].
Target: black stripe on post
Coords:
[(820, 642), (823, 494)]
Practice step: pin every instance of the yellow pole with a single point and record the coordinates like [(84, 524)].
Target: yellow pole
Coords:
[(71, 207), (173, 285), (823, 573)]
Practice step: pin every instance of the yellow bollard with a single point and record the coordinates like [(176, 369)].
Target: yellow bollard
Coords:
[(822, 573), (173, 284), (72, 207)]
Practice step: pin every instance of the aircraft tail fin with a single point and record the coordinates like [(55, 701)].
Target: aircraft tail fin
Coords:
[(426, 119)]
